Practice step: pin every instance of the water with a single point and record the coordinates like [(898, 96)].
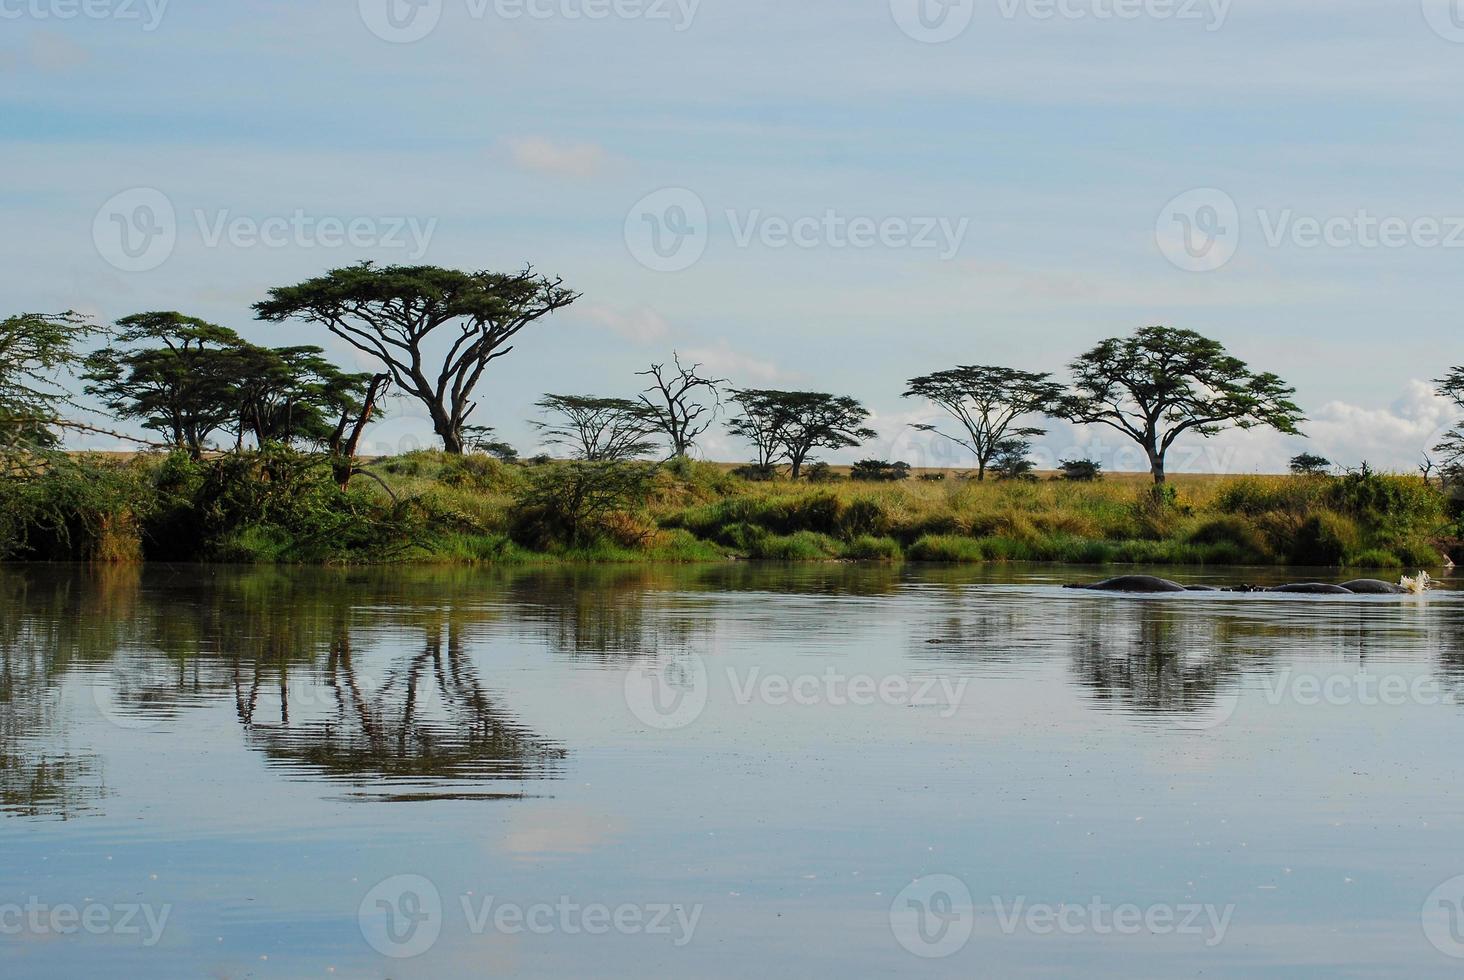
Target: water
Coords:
[(721, 771)]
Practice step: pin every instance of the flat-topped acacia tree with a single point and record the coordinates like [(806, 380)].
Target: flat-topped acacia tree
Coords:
[(989, 403), (392, 313), (1162, 382)]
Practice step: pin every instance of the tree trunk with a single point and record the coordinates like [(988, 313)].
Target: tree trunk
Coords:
[(1156, 467), (344, 462)]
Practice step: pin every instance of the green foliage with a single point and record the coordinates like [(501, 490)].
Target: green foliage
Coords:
[(880, 471), (1310, 464), (988, 403), (1012, 461), (577, 504), (1248, 540), (34, 349), (392, 314), (1081, 470), (76, 508), (791, 425), (1161, 383)]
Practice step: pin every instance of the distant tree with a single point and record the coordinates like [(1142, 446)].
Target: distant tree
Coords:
[(822, 473), (1451, 449), (1310, 464), (1162, 382), (1081, 470), (988, 403), (1012, 460), (598, 429), (879, 471), (760, 422), (393, 313), (35, 348), (790, 425), (682, 402), (574, 503), (293, 394), (484, 439), (178, 375)]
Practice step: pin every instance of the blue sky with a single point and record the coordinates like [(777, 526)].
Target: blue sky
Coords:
[(1052, 134)]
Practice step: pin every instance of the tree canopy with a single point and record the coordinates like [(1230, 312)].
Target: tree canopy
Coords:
[(989, 403), (178, 375), (34, 349), (598, 429), (1163, 382), (789, 426), (391, 313)]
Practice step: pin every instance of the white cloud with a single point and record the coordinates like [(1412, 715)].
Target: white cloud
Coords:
[(741, 369), (642, 325), (538, 155)]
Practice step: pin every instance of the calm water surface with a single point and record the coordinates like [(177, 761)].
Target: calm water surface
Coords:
[(725, 771)]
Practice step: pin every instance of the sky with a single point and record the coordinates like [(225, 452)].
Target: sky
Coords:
[(821, 195)]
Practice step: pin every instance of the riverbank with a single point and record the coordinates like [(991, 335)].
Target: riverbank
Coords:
[(282, 507)]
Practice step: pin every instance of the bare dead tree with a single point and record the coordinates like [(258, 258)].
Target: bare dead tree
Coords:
[(677, 402)]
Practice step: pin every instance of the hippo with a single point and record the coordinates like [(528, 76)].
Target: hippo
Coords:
[(1133, 583), (1372, 586), (1311, 588)]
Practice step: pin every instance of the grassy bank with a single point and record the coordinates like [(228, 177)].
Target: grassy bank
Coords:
[(282, 507)]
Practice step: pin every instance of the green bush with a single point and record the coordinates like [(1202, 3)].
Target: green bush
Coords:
[(1325, 539), (870, 548), (1247, 540)]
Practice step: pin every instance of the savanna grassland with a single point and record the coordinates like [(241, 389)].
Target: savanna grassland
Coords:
[(281, 506)]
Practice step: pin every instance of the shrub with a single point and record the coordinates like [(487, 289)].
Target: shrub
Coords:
[(880, 471), (1081, 470), (864, 516), (1324, 539), (870, 548), (821, 473), (754, 473), (1248, 540), (573, 503), (946, 548)]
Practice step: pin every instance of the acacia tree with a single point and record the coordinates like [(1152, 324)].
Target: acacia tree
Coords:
[(676, 403), (989, 403), (1163, 382), (34, 349), (760, 422), (395, 313), (598, 429), (1451, 465), (177, 374), (289, 394), (790, 425)]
